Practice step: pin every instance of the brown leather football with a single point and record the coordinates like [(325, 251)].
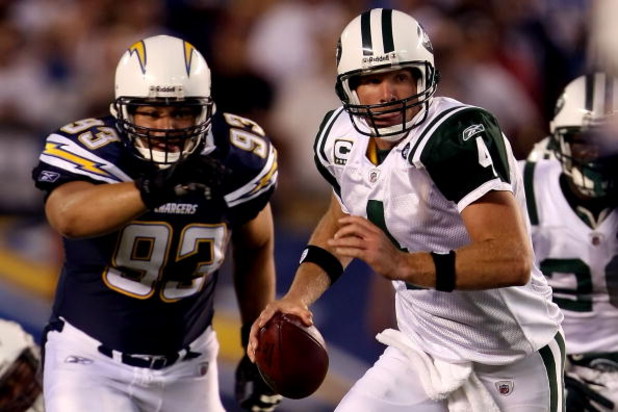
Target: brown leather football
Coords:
[(290, 356)]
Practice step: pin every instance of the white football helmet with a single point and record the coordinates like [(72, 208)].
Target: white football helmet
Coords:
[(382, 40), (19, 364), (581, 135), (163, 71)]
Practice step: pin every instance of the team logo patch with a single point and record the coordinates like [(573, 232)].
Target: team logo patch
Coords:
[(338, 52), (374, 175), (406, 150), (48, 176), (202, 368), (505, 388), (424, 38), (78, 359), (559, 105), (342, 151), (472, 131)]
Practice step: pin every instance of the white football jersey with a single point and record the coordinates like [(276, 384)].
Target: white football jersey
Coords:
[(415, 195), (580, 259)]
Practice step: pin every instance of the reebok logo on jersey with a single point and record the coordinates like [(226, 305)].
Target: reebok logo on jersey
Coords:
[(177, 208), (78, 359), (48, 176), (472, 131)]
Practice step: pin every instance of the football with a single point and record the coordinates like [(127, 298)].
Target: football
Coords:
[(291, 357)]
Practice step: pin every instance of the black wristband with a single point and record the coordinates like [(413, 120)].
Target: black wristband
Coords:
[(445, 270), (324, 259), (245, 330)]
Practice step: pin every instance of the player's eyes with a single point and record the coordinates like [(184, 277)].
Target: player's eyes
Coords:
[(184, 114), (152, 115)]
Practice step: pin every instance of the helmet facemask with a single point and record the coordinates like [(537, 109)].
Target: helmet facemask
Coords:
[(588, 159), (365, 116), (164, 147)]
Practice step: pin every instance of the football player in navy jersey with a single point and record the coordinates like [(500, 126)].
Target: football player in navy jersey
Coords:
[(147, 201)]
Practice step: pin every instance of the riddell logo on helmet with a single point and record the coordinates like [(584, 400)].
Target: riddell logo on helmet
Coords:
[(164, 89), (384, 58)]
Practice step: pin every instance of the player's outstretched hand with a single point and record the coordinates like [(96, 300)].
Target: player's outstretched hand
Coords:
[(252, 393), (202, 174)]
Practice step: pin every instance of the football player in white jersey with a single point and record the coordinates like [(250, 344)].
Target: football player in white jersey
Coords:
[(571, 199), (427, 192), (147, 200)]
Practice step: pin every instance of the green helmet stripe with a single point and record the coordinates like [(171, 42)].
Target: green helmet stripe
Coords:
[(387, 30), (589, 105), (609, 94), (366, 33)]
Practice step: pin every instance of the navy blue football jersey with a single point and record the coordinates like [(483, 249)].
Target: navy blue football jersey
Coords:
[(149, 285)]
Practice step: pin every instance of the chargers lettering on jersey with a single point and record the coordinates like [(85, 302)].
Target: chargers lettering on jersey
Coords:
[(177, 208)]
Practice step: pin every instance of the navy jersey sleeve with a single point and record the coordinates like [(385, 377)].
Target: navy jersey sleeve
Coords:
[(251, 159), (88, 149)]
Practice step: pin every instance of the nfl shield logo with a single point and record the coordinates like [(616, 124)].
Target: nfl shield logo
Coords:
[(504, 387)]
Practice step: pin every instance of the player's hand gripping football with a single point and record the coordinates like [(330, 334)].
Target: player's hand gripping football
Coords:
[(283, 305), (201, 174), (252, 393), (358, 238)]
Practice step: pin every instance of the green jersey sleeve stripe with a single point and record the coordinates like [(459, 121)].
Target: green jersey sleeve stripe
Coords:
[(529, 189), (329, 177), (319, 148), (323, 133), (429, 131)]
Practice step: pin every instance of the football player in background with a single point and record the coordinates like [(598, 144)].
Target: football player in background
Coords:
[(572, 207), (427, 192), (20, 382), (147, 201)]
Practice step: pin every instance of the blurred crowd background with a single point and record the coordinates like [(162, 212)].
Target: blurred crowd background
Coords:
[(272, 61)]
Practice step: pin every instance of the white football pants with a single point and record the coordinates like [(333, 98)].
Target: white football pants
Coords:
[(78, 378)]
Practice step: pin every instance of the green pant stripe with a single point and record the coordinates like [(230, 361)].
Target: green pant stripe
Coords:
[(555, 382)]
